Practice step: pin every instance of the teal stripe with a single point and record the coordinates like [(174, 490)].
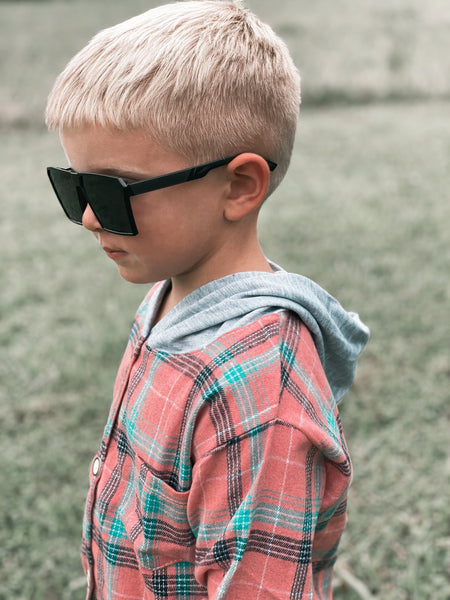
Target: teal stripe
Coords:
[(184, 580)]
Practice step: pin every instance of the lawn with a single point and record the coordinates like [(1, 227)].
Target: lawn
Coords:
[(364, 211)]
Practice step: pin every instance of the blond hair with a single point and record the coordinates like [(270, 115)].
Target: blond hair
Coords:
[(205, 78)]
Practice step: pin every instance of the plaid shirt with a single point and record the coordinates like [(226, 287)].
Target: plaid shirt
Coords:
[(222, 473)]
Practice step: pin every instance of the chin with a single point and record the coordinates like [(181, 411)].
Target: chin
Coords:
[(133, 277)]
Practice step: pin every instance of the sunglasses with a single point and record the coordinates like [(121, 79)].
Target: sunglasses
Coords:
[(109, 197)]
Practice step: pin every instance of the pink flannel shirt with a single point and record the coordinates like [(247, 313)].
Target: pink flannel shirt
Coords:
[(222, 473)]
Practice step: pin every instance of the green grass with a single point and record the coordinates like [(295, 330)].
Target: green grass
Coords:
[(364, 211), (363, 51), (371, 217)]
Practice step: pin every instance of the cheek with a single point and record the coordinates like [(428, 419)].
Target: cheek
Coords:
[(154, 223), (177, 213)]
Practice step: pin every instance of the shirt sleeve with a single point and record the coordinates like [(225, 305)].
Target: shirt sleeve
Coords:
[(268, 506), (268, 512)]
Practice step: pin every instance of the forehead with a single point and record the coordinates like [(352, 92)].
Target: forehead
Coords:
[(97, 149)]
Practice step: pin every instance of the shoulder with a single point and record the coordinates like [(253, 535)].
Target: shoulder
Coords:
[(303, 376), (266, 372), (279, 341)]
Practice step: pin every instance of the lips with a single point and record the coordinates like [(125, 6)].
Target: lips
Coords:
[(114, 253)]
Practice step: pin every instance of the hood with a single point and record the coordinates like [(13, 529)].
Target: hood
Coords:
[(241, 298)]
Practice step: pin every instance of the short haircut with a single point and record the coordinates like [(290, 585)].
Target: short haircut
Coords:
[(205, 78)]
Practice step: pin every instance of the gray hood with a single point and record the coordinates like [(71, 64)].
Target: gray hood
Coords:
[(239, 299)]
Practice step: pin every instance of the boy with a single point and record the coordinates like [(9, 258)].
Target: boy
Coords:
[(223, 470)]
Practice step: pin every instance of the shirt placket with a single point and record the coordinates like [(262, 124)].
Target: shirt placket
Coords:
[(99, 458)]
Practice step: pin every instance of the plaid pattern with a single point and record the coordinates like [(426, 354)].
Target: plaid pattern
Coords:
[(223, 472)]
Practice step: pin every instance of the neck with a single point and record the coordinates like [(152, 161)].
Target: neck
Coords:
[(212, 269)]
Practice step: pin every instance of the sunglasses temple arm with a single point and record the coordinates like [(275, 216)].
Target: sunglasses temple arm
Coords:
[(156, 183)]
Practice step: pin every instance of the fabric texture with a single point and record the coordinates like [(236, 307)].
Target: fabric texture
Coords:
[(223, 471), (241, 298)]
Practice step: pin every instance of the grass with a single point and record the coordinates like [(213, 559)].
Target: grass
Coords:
[(362, 51), (375, 235), (364, 211)]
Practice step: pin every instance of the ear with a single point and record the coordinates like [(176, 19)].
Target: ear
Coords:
[(249, 177)]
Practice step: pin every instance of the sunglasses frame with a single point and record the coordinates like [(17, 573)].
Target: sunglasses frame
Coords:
[(138, 187)]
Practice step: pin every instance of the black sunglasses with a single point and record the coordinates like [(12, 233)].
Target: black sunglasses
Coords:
[(109, 197)]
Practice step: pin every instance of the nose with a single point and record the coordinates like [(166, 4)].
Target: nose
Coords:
[(90, 221)]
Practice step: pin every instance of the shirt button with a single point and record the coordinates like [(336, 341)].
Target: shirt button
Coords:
[(96, 467)]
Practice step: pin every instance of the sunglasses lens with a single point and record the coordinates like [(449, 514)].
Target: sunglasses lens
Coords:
[(64, 185), (105, 195), (110, 204)]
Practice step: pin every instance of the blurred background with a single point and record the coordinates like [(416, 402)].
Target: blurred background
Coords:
[(364, 211)]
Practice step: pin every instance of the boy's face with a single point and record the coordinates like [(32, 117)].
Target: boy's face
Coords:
[(180, 227)]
